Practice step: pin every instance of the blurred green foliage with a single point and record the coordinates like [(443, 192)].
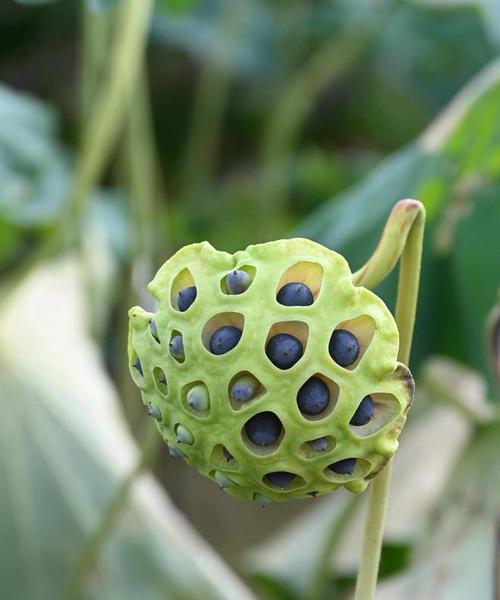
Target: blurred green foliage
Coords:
[(253, 120)]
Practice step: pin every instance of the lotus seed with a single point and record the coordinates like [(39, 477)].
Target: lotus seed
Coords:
[(177, 347), (262, 500), (184, 436), (154, 330), (138, 366), (244, 388), (154, 411), (295, 294), (198, 397), (263, 429), (319, 444), (222, 480), (343, 467), (175, 452), (313, 396), (238, 282), (284, 350), (224, 339), (343, 347), (364, 412), (186, 297), (280, 479)]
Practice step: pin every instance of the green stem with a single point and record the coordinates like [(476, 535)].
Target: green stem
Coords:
[(391, 245), (409, 277), (141, 163), (96, 29), (88, 558), (109, 110)]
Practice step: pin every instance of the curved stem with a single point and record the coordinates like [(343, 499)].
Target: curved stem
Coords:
[(98, 537), (382, 263), (391, 245)]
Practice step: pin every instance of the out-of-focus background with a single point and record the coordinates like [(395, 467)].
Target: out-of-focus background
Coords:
[(129, 128)]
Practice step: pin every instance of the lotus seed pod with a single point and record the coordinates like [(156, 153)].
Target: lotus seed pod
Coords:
[(239, 404)]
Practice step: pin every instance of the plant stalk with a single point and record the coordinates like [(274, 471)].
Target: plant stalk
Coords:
[(108, 114), (409, 277)]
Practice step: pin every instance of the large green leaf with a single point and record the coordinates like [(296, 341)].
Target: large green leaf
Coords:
[(64, 449), (454, 169)]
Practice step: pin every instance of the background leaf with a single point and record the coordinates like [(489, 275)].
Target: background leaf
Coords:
[(64, 450), (454, 169)]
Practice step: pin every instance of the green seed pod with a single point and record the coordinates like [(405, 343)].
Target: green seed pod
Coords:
[(321, 397)]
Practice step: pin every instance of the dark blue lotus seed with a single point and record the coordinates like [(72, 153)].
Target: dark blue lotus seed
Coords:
[(263, 429), (177, 347), (224, 339), (138, 366), (313, 396), (154, 412), (280, 479), (364, 412), (244, 388), (343, 347), (343, 467), (284, 350), (186, 297), (237, 282), (319, 444), (227, 455), (154, 330), (295, 294)]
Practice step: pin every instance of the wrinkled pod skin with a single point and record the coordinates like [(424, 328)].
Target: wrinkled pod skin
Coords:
[(218, 430)]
